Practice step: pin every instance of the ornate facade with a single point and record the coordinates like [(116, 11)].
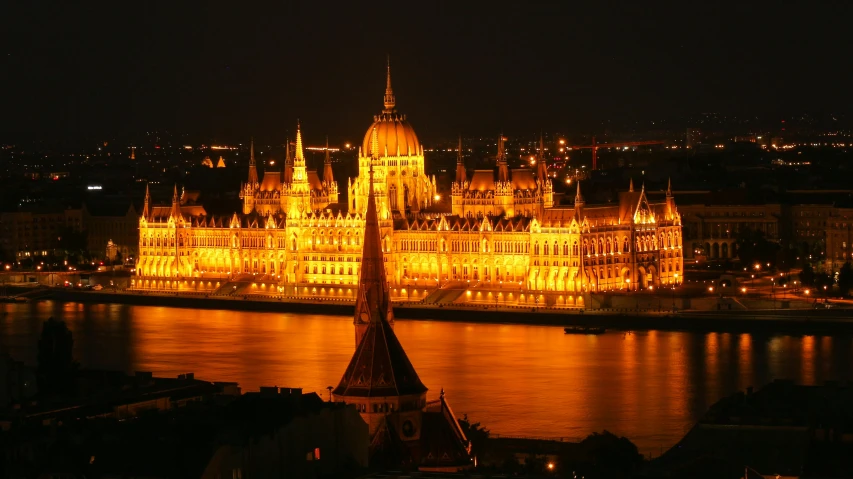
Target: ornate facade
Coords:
[(502, 240)]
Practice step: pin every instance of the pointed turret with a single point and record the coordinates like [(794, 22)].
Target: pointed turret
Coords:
[(503, 170), (542, 165), (631, 185), (253, 168), (461, 175), (670, 201), (176, 204), (374, 145), (299, 157), (380, 366), (146, 212), (288, 163), (389, 100), (328, 177), (579, 204)]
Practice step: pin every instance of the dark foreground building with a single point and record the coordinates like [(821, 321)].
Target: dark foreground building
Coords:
[(782, 430), (181, 427)]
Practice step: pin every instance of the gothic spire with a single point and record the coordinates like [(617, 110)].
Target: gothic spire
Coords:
[(327, 166), (631, 185), (379, 367), (542, 166), (389, 100), (176, 203), (461, 175), (253, 169), (503, 170), (298, 153), (288, 162), (669, 187), (145, 207), (578, 196), (374, 144)]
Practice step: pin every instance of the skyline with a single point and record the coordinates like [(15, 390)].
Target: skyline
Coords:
[(469, 68)]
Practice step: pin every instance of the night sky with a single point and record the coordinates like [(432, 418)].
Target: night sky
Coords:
[(229, 69)]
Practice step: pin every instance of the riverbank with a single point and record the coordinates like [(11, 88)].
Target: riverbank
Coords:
[(791, 321)]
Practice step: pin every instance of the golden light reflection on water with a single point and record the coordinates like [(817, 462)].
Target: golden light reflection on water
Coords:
[(519, 380)]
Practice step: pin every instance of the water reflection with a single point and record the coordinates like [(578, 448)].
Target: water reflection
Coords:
[(522, 380)]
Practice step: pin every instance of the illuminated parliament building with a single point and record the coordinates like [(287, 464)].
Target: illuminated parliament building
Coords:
[(501, 241)]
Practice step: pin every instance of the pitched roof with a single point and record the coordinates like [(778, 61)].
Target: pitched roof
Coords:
[(379, 366)]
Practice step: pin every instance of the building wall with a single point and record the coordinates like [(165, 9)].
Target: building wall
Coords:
[(339, 435), (122, 230), (839, 235), (28, 234), (711, 231)]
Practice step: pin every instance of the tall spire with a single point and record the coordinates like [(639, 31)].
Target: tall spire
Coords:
[(503, 170), (669, 187), (253, 169), (176, 203), (145, 206), (327, 166), (373, 301), (374, 144), (461, 175), (299, 157), (379, 367), (389, 100), (288, 162), (579, 204), (542, 166), (631, 186)]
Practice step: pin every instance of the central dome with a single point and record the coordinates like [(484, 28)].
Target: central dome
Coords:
[(394, 134)]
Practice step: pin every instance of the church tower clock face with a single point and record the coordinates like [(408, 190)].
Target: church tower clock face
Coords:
[(408, 428)]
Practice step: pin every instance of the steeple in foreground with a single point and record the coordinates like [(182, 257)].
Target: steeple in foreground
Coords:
[(405, 429)]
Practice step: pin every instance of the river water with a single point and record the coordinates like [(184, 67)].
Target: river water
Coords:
[(516, 380)]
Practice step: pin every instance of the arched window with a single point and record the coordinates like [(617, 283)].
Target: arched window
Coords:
[(575, 248), (536, 248)]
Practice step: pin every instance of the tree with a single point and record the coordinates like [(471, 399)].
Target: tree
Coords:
[(753, 247), (475, 433), (845, 279), (807, 276), (56, 365), (610, 456)]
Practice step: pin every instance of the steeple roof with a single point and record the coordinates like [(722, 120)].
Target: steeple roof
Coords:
[(380, 366), (542, 166), (253, 169), (299, 157), (461, 175), (328, 176)]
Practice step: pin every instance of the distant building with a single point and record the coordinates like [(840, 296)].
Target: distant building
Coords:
[(711, 231), (33, 232), (111, 221), (839, 239), (499, 232)]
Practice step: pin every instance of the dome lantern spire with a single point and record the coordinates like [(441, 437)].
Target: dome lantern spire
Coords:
[(389, 100)]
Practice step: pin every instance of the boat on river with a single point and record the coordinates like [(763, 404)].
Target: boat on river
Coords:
[(584, 330)]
